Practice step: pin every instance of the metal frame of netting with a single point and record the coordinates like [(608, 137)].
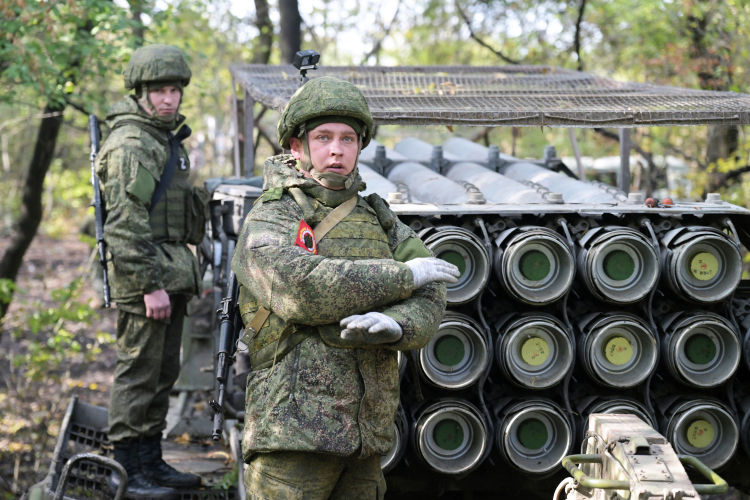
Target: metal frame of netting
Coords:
[(517, 96)]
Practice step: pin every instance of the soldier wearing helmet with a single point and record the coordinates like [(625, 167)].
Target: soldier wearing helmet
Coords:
[(332, 285), (152, 214)]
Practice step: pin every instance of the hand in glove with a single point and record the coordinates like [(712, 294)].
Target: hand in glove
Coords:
[(429, 269), (372, 328)]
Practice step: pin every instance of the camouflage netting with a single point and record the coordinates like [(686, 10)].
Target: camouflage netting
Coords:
[(519, 96)]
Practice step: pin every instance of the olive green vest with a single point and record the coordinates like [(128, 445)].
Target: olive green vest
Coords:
[(169, 218), (358, 236)]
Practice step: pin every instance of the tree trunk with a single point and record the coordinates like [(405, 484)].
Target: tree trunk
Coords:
[(262, 52), (290, 38), (723, 141), (31, 202), (139, 30), (714, 70)]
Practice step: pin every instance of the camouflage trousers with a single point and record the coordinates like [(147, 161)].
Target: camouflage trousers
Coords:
[(301, 475), (148, 364)]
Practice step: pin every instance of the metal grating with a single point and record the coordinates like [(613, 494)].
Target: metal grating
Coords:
[(87, 436), (518, 96), (88, 480)]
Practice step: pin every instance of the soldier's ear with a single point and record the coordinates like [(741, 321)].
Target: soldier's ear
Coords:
[(295, 145)]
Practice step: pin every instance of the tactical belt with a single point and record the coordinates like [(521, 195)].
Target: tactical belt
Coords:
[(329, 222)]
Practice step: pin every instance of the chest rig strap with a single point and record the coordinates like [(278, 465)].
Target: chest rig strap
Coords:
[(337, 215), (329, 222), (171, 166)]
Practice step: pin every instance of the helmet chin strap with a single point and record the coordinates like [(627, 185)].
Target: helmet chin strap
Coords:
[(331, 180), (145, 102)]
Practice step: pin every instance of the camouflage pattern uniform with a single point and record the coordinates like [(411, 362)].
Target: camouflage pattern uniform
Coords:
[(146, 252), (310, 390)]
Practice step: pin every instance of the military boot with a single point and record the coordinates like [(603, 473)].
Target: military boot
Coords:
[(160, 471), (140, 487)]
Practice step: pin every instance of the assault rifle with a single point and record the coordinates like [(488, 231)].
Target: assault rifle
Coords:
[(96, 136), (228, 332)]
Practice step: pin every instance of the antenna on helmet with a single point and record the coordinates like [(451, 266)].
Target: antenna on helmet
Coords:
[(303, 61)]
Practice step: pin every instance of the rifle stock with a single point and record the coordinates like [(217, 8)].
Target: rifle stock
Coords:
[(227, 347), (98, 205)]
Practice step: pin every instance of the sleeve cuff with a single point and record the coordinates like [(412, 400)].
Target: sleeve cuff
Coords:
[(153, 287), (407, 285)]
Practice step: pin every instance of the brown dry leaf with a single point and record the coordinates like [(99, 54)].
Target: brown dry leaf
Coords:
[(184, 439), (221, 454), (449, 127)]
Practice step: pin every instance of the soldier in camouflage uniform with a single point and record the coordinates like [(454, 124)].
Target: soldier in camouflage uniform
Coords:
[(152, 271), (323, 394)]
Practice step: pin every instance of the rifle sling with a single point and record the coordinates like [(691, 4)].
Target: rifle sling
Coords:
[(168, 172), (337, 215), (329, 222)]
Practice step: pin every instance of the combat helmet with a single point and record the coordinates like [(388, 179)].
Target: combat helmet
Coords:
[(156, 63), (324, 96)]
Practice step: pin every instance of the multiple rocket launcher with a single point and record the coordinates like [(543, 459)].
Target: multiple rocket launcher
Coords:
[(574, 298)]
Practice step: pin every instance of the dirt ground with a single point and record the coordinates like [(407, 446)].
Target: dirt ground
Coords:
[(31, 409)]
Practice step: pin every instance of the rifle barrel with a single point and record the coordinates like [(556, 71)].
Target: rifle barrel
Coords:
[(98, 206)]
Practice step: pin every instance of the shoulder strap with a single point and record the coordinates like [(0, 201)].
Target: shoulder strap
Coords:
[(156, 133), (168, 173), (337, 215)]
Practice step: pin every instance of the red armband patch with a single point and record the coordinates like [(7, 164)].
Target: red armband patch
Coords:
[(306, 238)]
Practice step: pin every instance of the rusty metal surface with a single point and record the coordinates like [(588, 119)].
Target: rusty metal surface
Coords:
[(519, 96)]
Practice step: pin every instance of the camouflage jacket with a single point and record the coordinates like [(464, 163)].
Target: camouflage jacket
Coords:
[(314, 391), (129, 166)]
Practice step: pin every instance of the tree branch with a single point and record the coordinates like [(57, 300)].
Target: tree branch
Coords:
[(649, 157), (379, 44), (76, 106), (483, 134), (265, 27), (276, 148), (685, 155), (482, 42), (577, 42)]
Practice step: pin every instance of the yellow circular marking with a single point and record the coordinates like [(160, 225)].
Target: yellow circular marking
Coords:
[(700, 433), (618, 350), (703, 265), (534, 351)]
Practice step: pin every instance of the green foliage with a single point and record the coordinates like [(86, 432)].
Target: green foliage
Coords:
[(50, 49), (228, 480), (50, 341), (67, 198), (7, 288)]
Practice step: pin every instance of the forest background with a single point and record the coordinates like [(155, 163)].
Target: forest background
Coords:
[(62, 59)]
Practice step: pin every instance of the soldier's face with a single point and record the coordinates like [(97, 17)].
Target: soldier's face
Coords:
[(333, 148), (166, 100)]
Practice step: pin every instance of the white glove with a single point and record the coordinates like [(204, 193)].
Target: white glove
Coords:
[(372, 328), (429, 269)]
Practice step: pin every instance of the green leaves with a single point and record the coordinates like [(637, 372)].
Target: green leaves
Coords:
[(51, 341), (48, 48), (7, 287)]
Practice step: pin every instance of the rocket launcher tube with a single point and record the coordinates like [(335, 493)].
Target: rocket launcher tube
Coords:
[(572, 190), (702, 264), (495, 187), (534, 436), (702, 349), (618, 264), (451, 436), (702, 428), (618, 349), (534, 264), (466, 251), (457, 356), (533, 351)]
